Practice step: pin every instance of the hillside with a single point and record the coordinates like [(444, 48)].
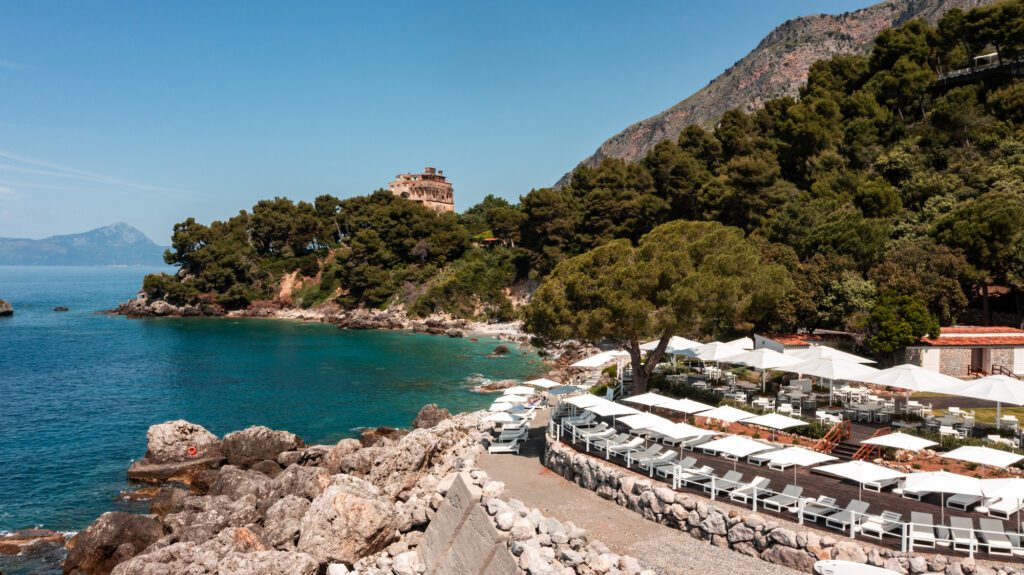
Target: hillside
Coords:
[(776, 67), (116, 244)]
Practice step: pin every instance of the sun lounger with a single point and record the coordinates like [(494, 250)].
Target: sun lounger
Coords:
[(962, 502), (724, 484), (504, 447), (993, 536), (841, 520), (664, 458), (646, 453), (623, 448), (669, 470), (787, 500), (693, 442), (746, 492), (757, 459), (588, 431), (915, 495), (596, 437), (878, 526), (694, 476), (1004, 508), (819, 508), (961, 532), (922, 530), (513, 434), (878, 486), (617, 439)]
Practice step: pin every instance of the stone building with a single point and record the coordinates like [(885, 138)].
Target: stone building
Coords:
[(429, 188), (961, 351)]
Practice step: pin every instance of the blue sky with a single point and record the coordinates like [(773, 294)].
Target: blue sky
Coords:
[(150, 112)]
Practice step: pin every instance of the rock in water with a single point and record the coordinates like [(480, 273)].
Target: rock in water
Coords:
[(61, 308), (6, 308), (180, 440), (257, 443), (111, 539), (429, 416), (501, 350), (348, 521)]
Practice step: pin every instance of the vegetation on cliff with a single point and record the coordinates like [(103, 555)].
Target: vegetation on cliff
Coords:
[(892, 205)]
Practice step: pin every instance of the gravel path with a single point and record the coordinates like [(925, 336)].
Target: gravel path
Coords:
[(666, 550)]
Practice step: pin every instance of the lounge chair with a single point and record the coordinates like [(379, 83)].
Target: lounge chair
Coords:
[(667, 457), (604, 442), (820, 508), (669, 470), (922, 530), (694, 442), (878, 526), (961, 532), (589, 431), (622, 448), (757, 459), (1004, 508), (841, 520), (915, 495), (648, 452), (993, 536), (513, 434), (595, 437), (504, 446), (694, 476), (963, 502), (746, 492), (724, 484), (878, 486), (787, 500)]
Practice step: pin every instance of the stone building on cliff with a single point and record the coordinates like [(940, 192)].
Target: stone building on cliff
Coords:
[(962, 351), (429, 188)]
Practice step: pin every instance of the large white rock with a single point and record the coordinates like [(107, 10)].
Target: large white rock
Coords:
[(348, 521)]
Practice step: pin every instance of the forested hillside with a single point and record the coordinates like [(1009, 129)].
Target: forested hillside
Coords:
[(892, 204)]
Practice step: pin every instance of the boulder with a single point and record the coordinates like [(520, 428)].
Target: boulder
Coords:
[(6, 309), (343, 448), (501, 350), (237, 483), (199, 518), (61, 308), (281, 526), (167, 500), (300, 481), (185, 472), (381, 436), (180, 440), (14, 543), (257, 443), (429, 416), (348, 521), (113, 538)]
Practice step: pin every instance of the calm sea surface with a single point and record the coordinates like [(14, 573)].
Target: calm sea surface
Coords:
[(79, 389)]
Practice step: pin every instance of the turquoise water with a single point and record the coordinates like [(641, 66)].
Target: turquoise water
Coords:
[(79, 389)]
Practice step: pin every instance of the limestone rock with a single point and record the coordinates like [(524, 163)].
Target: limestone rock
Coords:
[(237, 483), (6, 309), (281, 526), (381, 436), (344, 447), (256, 443), (429, 416), (180, 440), (348, 521), (113, 538)]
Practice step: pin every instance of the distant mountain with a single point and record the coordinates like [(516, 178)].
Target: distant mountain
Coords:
[(117, 244), (776, 67)]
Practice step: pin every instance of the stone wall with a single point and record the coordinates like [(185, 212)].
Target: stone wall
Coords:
[(955, 361), (1003, 357), (752, 533)]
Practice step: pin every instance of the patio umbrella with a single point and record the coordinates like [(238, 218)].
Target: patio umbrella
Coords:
[(798, 457), (763, 359), (643, 421), (687, 406), (600, 359), (611, 409), (736, 446), (499, 406), (501, 417), (679, 431), (983, 456), (564, 390), (826, 352), (676, 344), (900, 440), (715, 351), (832, 368), (942, 482), (519, 390), (998, 388), (511, 398), (742, 343), (861, 472), (649, 399), (584, 401), (913, 378), (543, 383), (775, 421), (1006, 488), (727, 413)]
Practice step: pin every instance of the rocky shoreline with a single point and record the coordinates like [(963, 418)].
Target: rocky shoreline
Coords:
[(261, 502), (393, 318)]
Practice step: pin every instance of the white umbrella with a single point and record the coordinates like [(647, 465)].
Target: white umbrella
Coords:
[(942, 482), (900, 440), (913, 378), (775, 421), (714, 351), (687, 406), (832, 368), (600, 359), (1008, 488), (584, 401), (564, 390), (861, 472), (649, 399), (677, 431), (826, 352), (543, 383), (742, 343), (763, 359), (798, 457), (983, 456), (519, 390), (610, 409), (727, 413), (676, 344), (736, 446), (998, 388), (643, 421), (500, 406), (502, 417), (513, 399)]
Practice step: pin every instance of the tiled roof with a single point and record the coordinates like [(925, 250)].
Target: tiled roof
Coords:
[(977, 336), (794, 339), (980, 329)]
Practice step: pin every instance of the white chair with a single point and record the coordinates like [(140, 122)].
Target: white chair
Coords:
[(947, 431)]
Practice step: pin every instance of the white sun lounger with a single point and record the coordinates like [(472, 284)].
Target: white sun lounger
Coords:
[(922, 530), (842, 519), (962, 502), (694, 476), (819, 508), (993, 536), (1005, 508), (504, 447), (669, 470), (878, 526), (623, 448), (788, 499), (961, 533), (646, 453), (746, 492), (724, 484)]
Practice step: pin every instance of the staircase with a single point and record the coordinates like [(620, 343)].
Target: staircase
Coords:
[(851, 448), (845, 450)]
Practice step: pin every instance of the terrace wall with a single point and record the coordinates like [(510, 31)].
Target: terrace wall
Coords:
[(752, 533)]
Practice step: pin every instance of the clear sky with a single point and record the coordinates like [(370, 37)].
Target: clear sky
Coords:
[(149, 112)]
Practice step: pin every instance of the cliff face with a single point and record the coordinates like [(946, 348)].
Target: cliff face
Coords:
[(776, 67)]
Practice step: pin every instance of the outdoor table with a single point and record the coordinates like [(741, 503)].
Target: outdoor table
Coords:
[(865, 411), (746, 385), (948, 420)]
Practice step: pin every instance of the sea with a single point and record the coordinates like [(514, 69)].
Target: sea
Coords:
[(79, 389)]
